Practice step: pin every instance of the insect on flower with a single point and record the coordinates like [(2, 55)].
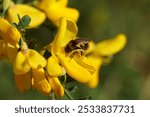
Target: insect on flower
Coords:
[(77, 46)]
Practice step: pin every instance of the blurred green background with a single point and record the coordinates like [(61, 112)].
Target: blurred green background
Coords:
[(128, 75)]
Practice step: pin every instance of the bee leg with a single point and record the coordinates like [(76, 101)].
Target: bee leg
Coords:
[(71, 56)]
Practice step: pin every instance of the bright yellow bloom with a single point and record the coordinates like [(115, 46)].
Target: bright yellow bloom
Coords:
[(37, 17), (57, 70), (100, 51), (23, 82), (40, 82), (96, 62), (27, 59), (54, 9), (8, 33), (110, 46), (10, 37), (29, 62), (35, 78), (44, 85), (56, 86), (8, 51), (77, 67)]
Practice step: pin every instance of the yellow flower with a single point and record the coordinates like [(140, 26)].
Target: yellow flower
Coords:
[(40, 82), (37, 17), (56, 86), (96, 62), (28, 69), (10, 37), (8, 33), (34, 78), (102, 50), (45, 83), (110, 46), (54, 9), (27, 59), (8, 51), (23, 81), (54, 70), (77, 67)]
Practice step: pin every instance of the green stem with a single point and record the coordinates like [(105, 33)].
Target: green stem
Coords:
[(52, 96), (3, 14), (68, 95), (65, 79)]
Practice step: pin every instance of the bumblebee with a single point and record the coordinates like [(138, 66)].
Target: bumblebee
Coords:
[(77, 46)]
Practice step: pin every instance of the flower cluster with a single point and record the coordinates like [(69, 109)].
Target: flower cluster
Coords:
[(69, 55)]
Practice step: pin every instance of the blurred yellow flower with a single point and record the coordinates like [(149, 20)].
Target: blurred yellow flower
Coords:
[(23, 81), (8, 51), (77, 67), (100, 51), (54, 9), (8, 33), (37, 17), (110, 46)]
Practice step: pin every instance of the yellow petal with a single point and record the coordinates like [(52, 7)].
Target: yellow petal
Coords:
[(23, 82), (40, 82), (56, 86), (44, 4), (84, 62), (72, 68), (35, 59), (12, 52), (96, 62), (91, 47), (53, 67), (21, 65), (66, 32), (111, 46), (57, 11), (95, 80), (8, 32), (62, 2), (37, 17)]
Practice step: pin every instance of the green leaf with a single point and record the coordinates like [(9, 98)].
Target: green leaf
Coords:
[(24, 22)]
